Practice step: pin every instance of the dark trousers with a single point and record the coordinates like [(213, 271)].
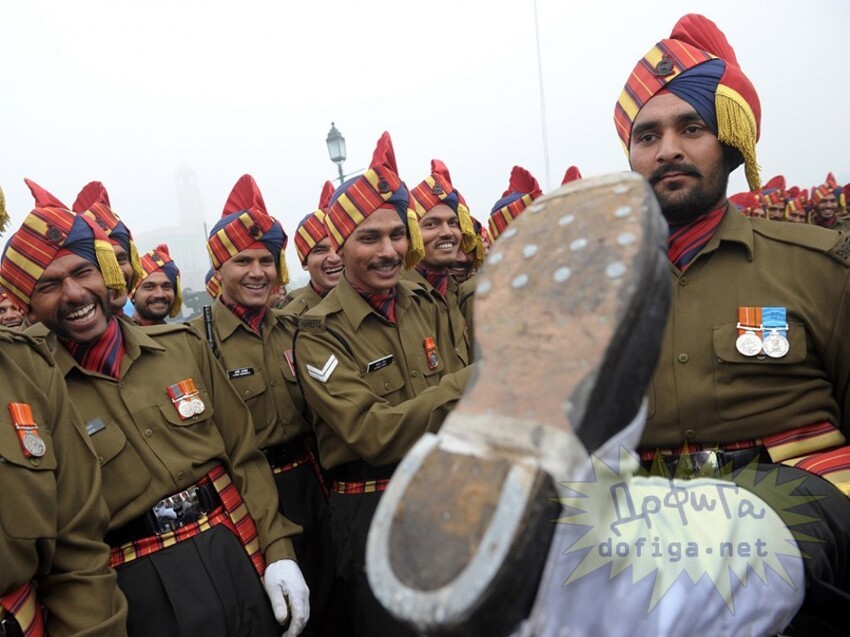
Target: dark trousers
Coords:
[(302, 500), (205, 585), (351, 515)]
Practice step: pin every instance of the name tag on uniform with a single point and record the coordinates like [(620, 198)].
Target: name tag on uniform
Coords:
[(95, 425), (240, 372), (379, 363)]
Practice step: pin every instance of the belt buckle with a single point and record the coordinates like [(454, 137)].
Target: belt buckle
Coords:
[(175, 511)]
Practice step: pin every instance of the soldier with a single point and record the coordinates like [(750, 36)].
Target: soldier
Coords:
[(193, 513), (825, 204), (796, 206), (773, 197), (370, 362), (158, 294), (446, 229), (316, 256), (254, 345), (11, 316), (93, 201)]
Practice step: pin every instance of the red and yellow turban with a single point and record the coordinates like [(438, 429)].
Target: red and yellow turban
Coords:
[(379, 187), (522, 190), (572, 174), (48, 229), (159, 259), (746, 202), (797, 202), (437, 189), (828, 187), (244, 225), (773, 192), (312, 229), (697, 64)]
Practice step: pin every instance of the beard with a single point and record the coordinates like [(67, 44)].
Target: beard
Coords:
[(145, 311), (681, 204)]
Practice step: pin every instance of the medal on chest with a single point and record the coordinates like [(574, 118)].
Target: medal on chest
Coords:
[(431, 354), (749, 342), (32, 444), (186, 399), (775, 332)]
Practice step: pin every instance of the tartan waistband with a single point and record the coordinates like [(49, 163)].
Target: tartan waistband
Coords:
[(21, 614), (366, 486)]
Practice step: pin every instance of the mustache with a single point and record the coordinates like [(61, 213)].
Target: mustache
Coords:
[(668, 169), (385, 262), (67, 308)]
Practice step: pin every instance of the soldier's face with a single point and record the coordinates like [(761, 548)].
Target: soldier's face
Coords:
[(10, 315), (798, 216), (461, 269), (827, 207), (441, 235), (674, 149), (70, 298), (776, 211), (324, 266), (374, 253), (154, 297), (758, 213), (118, 298), (248, 278)]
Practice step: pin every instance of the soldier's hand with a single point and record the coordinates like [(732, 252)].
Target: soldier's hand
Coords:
[(288, 594)]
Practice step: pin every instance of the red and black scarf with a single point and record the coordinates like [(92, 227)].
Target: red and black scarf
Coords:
[(103, 356)]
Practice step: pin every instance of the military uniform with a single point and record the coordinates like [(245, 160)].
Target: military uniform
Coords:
[(373, 393), (452, 320), (260, 369), (301, 301), (465, 296), (148, 451), (704, 389), (52, 516)]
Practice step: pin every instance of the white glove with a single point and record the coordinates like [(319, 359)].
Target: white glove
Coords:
[(288, 593)]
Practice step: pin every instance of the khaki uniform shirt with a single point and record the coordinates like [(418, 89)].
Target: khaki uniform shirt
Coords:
[(260, 371), (367, 381), (452, 320), (703, 389), (302, 300), (52, 515), (465, 297), (147, 451)]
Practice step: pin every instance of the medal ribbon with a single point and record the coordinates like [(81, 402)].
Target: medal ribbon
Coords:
[(24, 424), (774, 320), (182, 393), (749, 319)]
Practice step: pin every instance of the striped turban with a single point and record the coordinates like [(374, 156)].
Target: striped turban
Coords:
[(437, 189), (379, 187), (522, 190), (212, 284), (828, 187), (51, 230), (572, 174), (245, 225), (746, 202), (312, 229), (93, 202), (697, 65), (773, 192), (159, 259)]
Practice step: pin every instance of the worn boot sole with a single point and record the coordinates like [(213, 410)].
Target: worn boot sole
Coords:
[(569, 309)]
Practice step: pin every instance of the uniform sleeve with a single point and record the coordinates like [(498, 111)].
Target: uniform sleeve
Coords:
[(248, 468), (838, 357), (375, 430), (80, 593)]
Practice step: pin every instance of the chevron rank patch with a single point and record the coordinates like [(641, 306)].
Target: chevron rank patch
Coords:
[(322, 375)]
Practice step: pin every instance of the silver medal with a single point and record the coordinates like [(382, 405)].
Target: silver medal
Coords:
[(776, 345), (198, 406), (34, 445), (749, 344), (185, 408)]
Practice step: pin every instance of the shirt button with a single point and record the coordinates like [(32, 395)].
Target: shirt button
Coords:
[(247, 392), (35, 462), (683, 358), (100, 459), (683, 281), (180, 475), (414, 373), (386, 385), (272, 383), (690, 434), (148, 432)]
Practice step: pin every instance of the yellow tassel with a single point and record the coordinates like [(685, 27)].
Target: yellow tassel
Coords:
[(139, 273), (283, 271), (178, 300), (480, 253), (109, 268), (4, 216), (736, 127), (416, 248), (467, 243)]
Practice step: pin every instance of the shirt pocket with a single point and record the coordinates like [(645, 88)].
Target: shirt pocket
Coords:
[(28, 508), (125, 476), (251, 390), (750, 385), (195, 436), (385, 381)]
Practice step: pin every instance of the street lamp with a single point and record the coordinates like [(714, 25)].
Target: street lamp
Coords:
[(336, 149)]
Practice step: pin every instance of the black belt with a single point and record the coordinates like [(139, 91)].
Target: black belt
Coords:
[(168, 514), (712, 459), (286, 452), (359, 471), (9, 627)]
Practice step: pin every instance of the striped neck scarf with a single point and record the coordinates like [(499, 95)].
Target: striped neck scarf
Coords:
[(383, 304), (687, 239), (251, 316), (104, 356), (438, 279), (318, 291)]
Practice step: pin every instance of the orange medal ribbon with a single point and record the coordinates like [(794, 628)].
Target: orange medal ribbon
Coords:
[(31, 443)]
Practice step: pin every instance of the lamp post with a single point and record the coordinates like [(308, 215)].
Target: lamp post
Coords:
[(336, 149)]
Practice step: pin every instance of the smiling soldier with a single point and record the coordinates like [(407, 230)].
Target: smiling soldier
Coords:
[(158, 295)]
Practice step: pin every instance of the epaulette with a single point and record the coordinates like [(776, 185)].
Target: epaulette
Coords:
[(311, 323), (830, 242), (415, 288), (8, 337), (168, 328)]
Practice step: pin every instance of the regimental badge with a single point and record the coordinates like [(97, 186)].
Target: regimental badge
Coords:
[(31, 442), (54, 235), (186, 399), (664, 66)]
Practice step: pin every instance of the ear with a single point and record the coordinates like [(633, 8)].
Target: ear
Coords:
[(217, 275)]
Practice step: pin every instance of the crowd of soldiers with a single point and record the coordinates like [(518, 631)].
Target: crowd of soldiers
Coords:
[(220, 477)]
